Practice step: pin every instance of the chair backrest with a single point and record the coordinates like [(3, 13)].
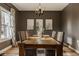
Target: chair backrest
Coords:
[(23, 35), (26, 35), (60, 37), (19, 35), (53, 34)]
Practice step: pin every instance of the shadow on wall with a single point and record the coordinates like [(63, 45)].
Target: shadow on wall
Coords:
[(75, 43)]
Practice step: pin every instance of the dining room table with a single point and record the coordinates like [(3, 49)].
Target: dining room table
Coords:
[(40, 42)]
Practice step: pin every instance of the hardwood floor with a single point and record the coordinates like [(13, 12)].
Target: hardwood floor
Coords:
[(15, 52), (12, 52), (69, 52)]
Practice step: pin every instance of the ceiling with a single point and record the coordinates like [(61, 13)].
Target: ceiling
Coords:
[(44, 6)]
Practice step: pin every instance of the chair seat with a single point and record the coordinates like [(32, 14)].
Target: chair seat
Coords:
[(50, 52), (40, 50), (30, 52)]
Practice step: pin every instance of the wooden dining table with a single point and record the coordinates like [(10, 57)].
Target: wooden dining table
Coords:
[(37, 42)]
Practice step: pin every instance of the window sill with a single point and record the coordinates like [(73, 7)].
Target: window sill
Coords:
[(2, 40)]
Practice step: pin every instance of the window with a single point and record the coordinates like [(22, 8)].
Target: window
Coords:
[(6, 24)]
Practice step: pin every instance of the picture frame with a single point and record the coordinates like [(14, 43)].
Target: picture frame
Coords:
[(39, 23), (30, 24), (48, 24)]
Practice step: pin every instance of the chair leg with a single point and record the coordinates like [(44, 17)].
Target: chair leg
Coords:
[(50, 52), (30, 52)]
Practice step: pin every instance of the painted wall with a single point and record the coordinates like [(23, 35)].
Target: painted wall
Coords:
[(70, 25), (24, 15)]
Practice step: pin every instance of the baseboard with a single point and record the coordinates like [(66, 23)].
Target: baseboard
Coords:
[(5, 49), (71, 48), (74, 49)]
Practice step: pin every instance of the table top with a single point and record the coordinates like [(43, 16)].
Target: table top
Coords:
[(38, 40)]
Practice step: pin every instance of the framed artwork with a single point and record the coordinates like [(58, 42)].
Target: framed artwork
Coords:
[(30, 24), (48, 24), (39, 24)]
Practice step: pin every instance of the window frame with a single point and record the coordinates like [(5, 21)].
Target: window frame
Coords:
[(7, 26)]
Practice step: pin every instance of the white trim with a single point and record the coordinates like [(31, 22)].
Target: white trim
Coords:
[(72, 48), (5, 49), (3, 9), (3, 40)]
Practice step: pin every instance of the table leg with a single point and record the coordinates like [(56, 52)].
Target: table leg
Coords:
[(21, 50), (59, 50)]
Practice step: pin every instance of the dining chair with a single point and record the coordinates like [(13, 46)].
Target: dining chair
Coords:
[(53, 34), (23, 35), (60, 39)]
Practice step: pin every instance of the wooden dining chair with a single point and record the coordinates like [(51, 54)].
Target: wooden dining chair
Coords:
[(60, 39), (23, 35)]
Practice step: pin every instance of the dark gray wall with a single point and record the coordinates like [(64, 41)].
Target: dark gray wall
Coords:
[(24, 15), (70, 24), (7, 6)]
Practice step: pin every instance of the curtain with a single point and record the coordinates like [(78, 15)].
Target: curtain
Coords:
[(13, 26)]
